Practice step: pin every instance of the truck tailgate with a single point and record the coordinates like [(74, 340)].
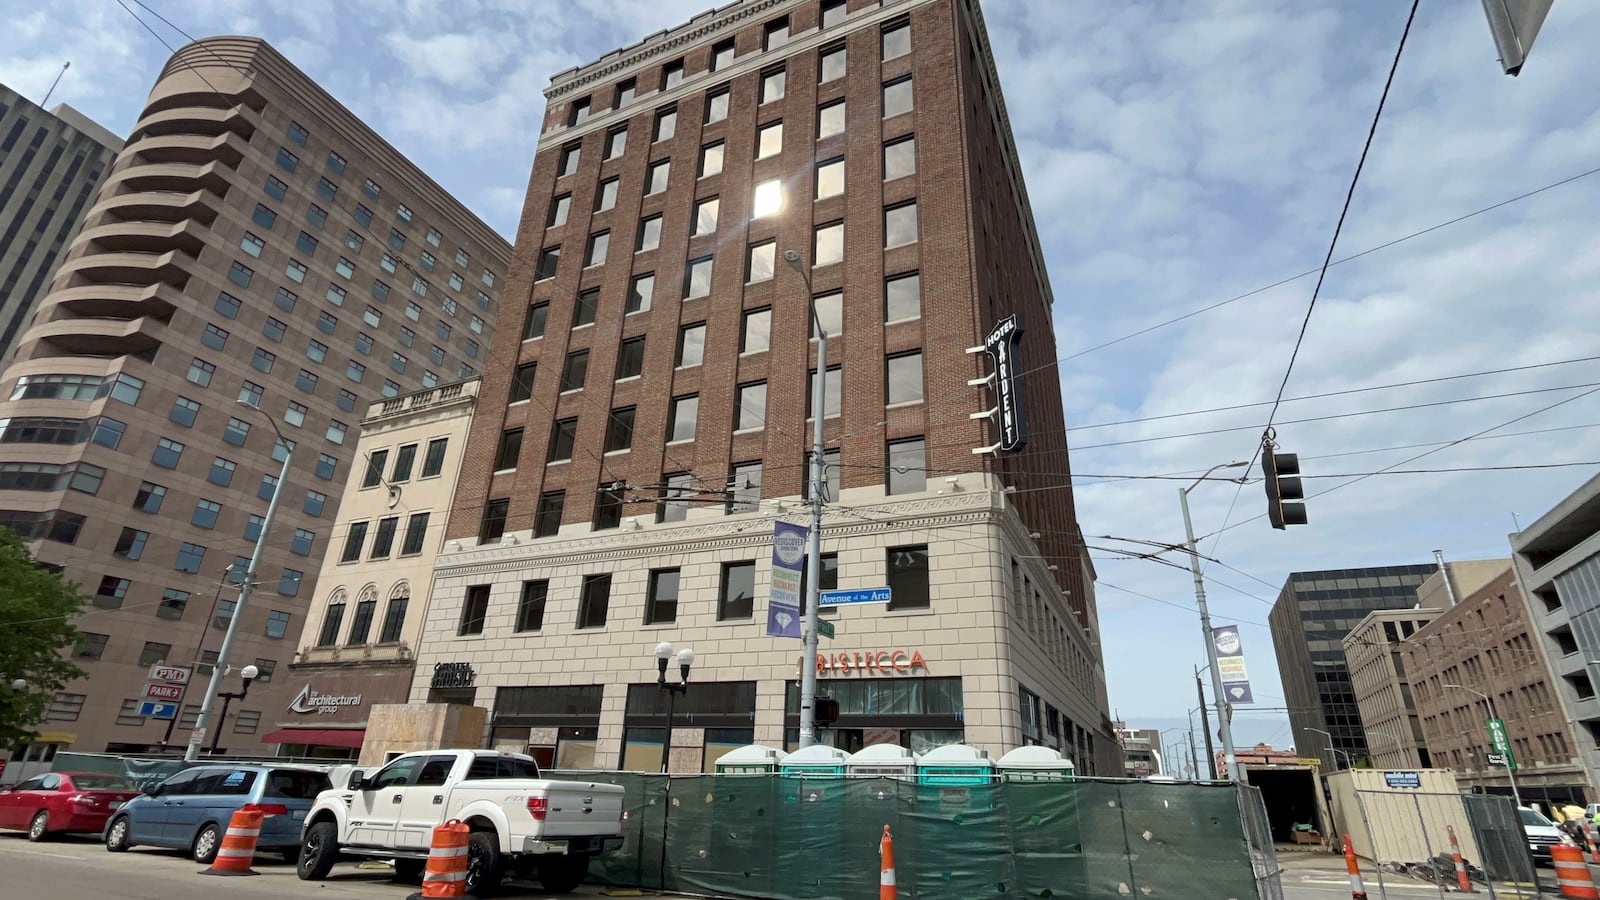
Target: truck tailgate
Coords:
[(582, 809)]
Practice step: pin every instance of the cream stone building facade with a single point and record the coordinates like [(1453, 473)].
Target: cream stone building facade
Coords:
[(361, 634)]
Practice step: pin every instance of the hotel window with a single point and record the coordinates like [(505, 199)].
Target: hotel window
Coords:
[(569, 160), (908, 577), (830, 119), (661, 603), (493, 524), (252, 245), (558, 211), (685, 414), (287, 161), (777, 34), (710, 160), (830, 178), (902, 297), (756, 336), (640, 290), (578, 113), (705, 217), (831, 386), (522, 383), (772, 85), (656, 178), (673, 507), (606, 197), (671, 75), (907, 466), (721, 55), (666, 124), (649, 235), (897, 98), (769, 140), (583, 312), (737, 597), (264, 216), (752, 410), (630, 358), (563, 435), (833, 12), (744, 488), (625, 93), (619, 430), (505, 455), (575, 371), (896, 40), (549, 257), (697, 278), (900, 225), (547, 521), (594, 600), (316, 215), (474, 609), (533, 323), (530, 606), (616, 143), (200, 372), (828, 246), (691, 345), (903, 375), (595, 253), (276, 188), (899, 158), (831, 62)]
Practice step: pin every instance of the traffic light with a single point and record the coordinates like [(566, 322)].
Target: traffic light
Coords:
[(1282, 471), (827, 711)]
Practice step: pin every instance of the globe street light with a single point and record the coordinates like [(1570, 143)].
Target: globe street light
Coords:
[(685, 660), (19, 685), (245, 586), (248, 673)]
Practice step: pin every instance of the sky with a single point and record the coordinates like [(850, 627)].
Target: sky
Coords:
[(1177, 154)]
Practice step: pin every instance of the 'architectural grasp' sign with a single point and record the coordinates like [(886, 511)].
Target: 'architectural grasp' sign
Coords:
[(1001, 345)]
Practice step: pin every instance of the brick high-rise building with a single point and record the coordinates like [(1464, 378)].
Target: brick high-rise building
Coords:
[(254, 242), (642, 430), (51, 164)]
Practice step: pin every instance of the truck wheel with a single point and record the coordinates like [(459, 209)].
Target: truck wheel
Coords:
[(484, 865), (409, 871), (319, 850), (563, 874)]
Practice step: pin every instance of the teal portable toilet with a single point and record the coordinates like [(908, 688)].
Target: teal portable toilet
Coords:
[(955, 765), (1034, 764), (882, 761), (751, 759), (815, 761)]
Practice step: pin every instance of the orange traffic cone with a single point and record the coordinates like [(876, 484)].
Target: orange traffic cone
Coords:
[(1588, 837), (446, 874), (1462, 881), (239, 844), (1572, 873), (886, 888), (1358, 891)]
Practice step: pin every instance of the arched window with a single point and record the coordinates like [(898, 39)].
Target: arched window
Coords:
[(394, 618), (366, 608), (332, 619)]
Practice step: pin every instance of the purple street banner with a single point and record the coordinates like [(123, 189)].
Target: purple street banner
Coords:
[(1230, 664), (788, 561)]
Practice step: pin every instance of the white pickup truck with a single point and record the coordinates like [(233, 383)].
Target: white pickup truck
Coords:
[(519, 821)]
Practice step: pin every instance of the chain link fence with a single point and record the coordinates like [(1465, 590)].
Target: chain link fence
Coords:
[(1409, 833)]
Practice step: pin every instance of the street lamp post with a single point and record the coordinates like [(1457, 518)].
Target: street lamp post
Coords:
[(248, 673), (685, 660), (1333, 752), (205, 628), (221, 665), (1511, 774), (1224, 727), (819, 399)]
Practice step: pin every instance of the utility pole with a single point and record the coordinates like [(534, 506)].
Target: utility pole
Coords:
[(1194, 764), (1205, 725), (1224, 727), (819, 394)]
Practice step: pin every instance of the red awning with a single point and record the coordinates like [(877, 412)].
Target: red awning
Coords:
[(337, 737)]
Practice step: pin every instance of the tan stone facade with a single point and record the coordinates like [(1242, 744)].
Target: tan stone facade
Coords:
[(639, 438), (1377, 675), (365, 623)]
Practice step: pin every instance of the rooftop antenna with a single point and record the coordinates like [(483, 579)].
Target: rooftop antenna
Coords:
[(64, 67)]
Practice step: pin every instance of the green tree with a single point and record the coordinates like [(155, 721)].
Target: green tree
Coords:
[(37, 607)]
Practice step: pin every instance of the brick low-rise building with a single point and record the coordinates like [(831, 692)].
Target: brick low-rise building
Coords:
[(642, 432)]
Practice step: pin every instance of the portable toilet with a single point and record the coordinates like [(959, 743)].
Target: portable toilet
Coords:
[(1034, 764), (882, 761), (955, 764), (752, 759), (815, 761)]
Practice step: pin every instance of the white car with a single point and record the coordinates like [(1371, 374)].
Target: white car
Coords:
[(547, 829), (1542, 833)]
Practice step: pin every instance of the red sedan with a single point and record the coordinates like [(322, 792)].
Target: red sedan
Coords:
[(59, 802)]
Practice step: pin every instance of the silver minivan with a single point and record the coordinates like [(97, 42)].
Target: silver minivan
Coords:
[(190, 811)]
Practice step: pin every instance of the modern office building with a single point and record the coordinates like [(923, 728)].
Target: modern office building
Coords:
[(1142, 753), (254, 243), (51, 165), (358, 644), (642, 431), (1486, 645), (1378, 678), (1557, 562), (1314, 612)]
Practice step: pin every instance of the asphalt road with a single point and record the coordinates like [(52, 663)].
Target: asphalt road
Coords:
[(80, 868)]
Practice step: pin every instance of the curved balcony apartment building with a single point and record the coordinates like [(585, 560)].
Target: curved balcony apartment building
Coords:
[(253, 241)]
